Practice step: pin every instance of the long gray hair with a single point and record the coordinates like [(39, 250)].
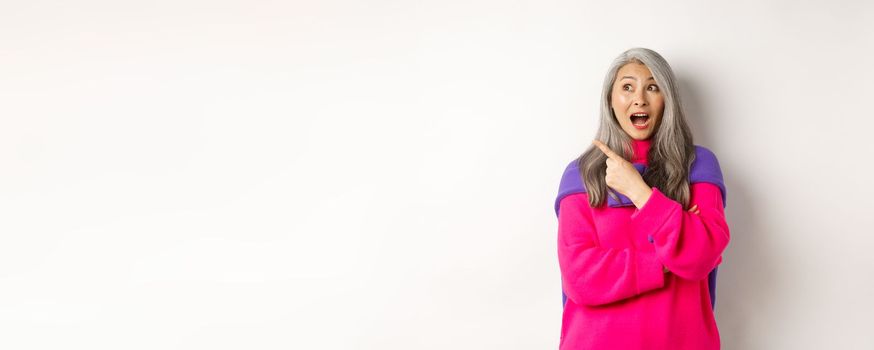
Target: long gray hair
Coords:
[(672, 151)]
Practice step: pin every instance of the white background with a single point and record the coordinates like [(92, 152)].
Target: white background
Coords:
[(381, 175)]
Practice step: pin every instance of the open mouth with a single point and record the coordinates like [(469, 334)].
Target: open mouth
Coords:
[(640, 120)]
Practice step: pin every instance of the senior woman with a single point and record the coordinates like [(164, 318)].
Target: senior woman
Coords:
[(641, 223)]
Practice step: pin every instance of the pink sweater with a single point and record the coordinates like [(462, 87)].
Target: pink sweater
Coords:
[(612, 259)]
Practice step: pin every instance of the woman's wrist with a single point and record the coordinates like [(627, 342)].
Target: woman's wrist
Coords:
[(641, 196)]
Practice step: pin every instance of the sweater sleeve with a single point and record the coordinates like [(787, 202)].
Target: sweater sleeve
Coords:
[(690, 245), (594, 275)]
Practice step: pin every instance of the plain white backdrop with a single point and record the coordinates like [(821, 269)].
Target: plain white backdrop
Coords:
[(381, 175)]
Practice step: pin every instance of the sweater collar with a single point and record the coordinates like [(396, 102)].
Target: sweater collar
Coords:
[(641, 149)]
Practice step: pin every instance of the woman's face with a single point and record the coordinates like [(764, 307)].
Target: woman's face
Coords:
[(635, 91)]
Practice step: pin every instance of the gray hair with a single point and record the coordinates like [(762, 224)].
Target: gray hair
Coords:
[(672, 151)]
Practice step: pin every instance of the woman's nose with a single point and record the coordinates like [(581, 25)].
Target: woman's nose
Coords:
[(639, 100)]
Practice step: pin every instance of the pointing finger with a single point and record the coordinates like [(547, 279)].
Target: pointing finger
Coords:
[(609, 152)]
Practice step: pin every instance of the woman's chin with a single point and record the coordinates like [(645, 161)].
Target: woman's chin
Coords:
[(639, 134)]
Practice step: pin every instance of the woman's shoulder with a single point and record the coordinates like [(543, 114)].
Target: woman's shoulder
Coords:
[(704, 152), (571, 171), (705, 168), (570, 183), (705, 160)]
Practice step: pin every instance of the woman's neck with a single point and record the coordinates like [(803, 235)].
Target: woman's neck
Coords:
[(641, 149)]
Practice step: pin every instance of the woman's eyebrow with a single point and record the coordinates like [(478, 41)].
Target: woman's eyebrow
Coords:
[(629, 77)]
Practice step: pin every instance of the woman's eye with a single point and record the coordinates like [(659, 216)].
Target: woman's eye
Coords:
[(654, 88), (626, 85)]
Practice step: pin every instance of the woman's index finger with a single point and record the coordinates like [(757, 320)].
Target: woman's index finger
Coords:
[(609, 152)]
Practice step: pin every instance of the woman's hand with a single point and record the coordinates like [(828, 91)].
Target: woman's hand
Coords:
[(623, 177)]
